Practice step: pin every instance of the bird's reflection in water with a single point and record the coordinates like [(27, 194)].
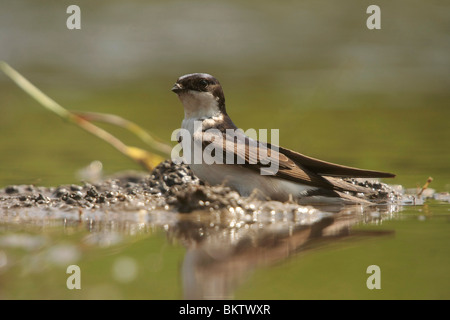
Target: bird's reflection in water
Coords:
[(221, 255)]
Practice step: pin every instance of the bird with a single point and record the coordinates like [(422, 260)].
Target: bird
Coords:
[(298, 177)]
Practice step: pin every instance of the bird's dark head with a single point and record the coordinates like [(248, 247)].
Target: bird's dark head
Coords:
[(201, 95)]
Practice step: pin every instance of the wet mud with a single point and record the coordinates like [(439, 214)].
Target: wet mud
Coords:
[(170, 187)]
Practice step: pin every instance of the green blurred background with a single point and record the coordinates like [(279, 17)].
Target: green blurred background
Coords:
[(376, 99)]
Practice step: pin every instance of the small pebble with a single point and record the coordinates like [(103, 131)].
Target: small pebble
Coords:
[(11, 189)]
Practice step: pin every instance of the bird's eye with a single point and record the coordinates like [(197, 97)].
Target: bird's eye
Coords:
[(203, 83)]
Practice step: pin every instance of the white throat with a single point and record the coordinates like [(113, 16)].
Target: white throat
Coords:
[(199, 105)]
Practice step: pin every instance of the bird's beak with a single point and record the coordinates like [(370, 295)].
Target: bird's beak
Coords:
[(177, 88)]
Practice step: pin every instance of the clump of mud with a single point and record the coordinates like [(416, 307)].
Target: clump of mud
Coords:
[(169, 186), (127, 190), (382, 192)]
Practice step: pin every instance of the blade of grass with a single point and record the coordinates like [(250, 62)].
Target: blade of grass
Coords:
[(154, 143), (146, 159)]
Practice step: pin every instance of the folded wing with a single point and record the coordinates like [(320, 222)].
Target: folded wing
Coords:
[(291, 165)]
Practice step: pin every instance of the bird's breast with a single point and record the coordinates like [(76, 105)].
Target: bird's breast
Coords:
[(246, 181)]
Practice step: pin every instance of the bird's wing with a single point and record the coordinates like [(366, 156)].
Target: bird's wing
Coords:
[(331, 169), (247, 152), (252, 154)]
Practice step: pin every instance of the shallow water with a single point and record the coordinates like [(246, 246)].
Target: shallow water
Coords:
[(305, 254)]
